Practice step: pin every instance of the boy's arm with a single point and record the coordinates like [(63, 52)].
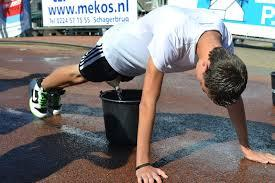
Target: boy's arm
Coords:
[(237, 115), (147, 110)]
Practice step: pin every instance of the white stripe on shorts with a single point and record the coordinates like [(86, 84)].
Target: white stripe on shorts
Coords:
[(91, 61), (91, 52), (92, 56)]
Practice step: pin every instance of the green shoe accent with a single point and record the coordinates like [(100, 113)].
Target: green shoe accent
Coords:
[(43, 101)]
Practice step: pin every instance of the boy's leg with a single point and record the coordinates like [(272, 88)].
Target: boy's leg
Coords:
[(59, 79), (45, 93), (63, 77), (92, 67)]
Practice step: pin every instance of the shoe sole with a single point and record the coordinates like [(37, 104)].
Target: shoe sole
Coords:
[(31, 86), (56, 112), (34, 112), (32, 108)]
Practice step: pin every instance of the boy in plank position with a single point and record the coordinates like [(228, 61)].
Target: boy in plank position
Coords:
[(168, 39)]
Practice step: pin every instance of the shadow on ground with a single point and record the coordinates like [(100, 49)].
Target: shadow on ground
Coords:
[(48, 154), (11, 119), (6, 84)]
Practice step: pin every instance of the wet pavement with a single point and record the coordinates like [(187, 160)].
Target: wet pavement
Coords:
[(193, 140)]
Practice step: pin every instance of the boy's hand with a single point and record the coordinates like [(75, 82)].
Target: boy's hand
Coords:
[(150, 174), (260, 157)]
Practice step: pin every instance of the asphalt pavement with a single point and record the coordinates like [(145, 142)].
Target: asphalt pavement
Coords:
[(193, 139)]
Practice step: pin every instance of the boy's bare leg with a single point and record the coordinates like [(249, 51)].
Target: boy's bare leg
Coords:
[(63, 77), (46, 95)]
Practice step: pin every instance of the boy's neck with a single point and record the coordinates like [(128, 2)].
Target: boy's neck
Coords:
[(207, 42)]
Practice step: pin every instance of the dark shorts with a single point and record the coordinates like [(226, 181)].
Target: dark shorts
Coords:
[(94, 67)]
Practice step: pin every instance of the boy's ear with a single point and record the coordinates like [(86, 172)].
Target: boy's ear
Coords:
[(207, 63), (205, 66)]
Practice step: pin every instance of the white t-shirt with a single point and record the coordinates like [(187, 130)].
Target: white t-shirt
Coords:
[(168, 34)]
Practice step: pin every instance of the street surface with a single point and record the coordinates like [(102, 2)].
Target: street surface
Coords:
[(193, 139)]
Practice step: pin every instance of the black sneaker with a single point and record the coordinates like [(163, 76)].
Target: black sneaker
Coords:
[(38, 100), (54, 100)]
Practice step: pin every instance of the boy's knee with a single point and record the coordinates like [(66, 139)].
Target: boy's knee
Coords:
[(73, 71)]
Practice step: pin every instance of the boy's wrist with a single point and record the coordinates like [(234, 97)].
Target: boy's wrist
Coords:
[(142, 160), (142, 165)]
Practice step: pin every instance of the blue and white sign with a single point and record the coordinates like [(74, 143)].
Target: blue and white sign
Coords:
[(255, 18), (88, 12)]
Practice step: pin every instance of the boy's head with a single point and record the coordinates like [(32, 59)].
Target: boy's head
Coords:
[(226, 77)]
